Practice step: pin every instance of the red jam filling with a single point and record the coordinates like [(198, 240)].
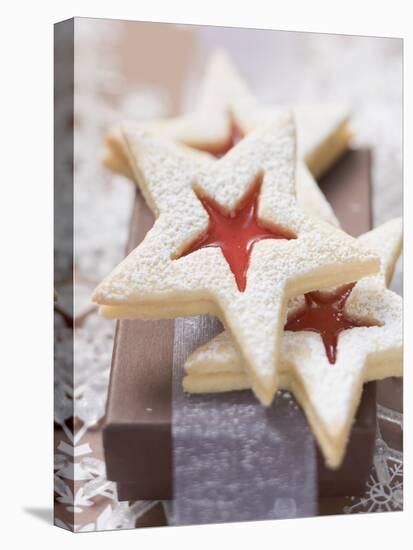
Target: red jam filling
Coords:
[(234, 137), (236, 232), (324, 314)]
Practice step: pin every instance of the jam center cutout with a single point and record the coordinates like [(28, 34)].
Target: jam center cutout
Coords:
[(324, 314), (235, 232), (235, 136)]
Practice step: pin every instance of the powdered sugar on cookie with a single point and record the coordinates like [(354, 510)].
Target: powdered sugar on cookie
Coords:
[(225, 104), (329, 393), (155, 281)]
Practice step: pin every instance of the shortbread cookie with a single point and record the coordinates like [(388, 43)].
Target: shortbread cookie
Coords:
[(282, 251), (326, 378), (226, 111), (323, 134)]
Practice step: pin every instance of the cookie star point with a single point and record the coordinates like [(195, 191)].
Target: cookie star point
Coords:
[(151, 283), (326, 316), (225, 111), (329, 394), (386, 240)]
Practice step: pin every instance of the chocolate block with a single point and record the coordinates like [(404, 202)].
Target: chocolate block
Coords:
[(347, 187), (137, 432), (154, 517)]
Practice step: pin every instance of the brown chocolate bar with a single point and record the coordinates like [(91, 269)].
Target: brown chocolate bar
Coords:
[(137, 433)]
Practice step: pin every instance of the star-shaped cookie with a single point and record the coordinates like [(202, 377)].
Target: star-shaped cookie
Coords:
[(163, 277), (328, 388), (226, 111)]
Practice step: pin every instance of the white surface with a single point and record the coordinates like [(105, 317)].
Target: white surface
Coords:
[(26, 280)]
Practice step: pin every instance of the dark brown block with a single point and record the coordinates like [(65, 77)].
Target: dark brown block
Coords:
[(154, 517), (347, 187), (137, 433), (390, 412)]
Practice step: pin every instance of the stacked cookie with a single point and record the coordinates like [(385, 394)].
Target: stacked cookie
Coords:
[(243, 232)]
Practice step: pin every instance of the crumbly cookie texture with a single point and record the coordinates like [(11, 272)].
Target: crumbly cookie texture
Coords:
[(329, 394), (154, 281), (224, 102)]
